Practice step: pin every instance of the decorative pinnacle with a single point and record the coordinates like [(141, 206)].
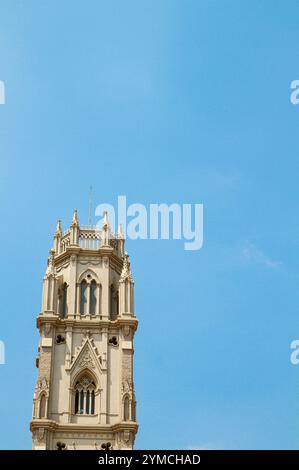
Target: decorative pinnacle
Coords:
[(51, 269), (126, 271), (120, 233), (58, 231), (105, 221), (75, 222)]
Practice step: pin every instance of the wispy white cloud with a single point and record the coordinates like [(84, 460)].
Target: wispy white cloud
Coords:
[(252, 254)]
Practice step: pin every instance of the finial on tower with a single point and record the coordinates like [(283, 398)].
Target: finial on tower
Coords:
[(58, 228), (105, 230), (57, 237), (120, 233), (75, 222), (105, 221), (121, 240), (126, 271), (74, 231), (51, 269)]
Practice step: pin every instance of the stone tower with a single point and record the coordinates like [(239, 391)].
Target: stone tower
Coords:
[(84, 396)]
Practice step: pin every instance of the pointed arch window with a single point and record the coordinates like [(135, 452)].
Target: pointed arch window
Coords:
[(117, 303), (92, 404), (134, 409), (85, 396), (83, 297), (111, 301), (126, 409), (62, 300), (42, 406), (93, 297), (87, 405), (76, 401), (114, 302), (89, 296)]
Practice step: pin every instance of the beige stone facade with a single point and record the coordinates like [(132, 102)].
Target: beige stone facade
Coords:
[(84, 396)]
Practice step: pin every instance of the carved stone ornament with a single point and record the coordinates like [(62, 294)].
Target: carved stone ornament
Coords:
[(63, 266), (87, 334), (91, 261), (51, 271), (126, 274), (127, 331), (43, 385), (85, 382), (87, 361), (47, 328), (127, 386), (40, 434)]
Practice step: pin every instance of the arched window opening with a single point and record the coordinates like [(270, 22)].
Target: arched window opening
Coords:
[(85, 396), (117, 303), (83, 298), (42, 406), (62, 298), (92, 402), (93, 298), (126, 296), (134, 410), (63, 310), (87, 401), (113, 303), (77, 402), (126, 409), (81, 409)]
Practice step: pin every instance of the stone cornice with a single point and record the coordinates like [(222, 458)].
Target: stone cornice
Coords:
[(94, 323), (107, 251), (77, 250), (43, 423), (70, 427)]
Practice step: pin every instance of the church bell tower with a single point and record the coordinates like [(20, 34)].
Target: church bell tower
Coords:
[(84, 396)]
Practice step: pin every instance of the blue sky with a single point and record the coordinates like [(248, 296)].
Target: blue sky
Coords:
[(162, 101)]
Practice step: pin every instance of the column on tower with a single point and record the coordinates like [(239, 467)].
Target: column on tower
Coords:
[(49, 286), (126, 289), (57, 238), (74, 230)]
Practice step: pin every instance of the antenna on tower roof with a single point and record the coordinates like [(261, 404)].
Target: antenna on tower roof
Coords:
[(90, 205)]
